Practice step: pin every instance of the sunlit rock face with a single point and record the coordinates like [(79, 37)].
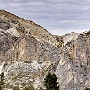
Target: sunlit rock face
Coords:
[(74, 71), (28, 52)]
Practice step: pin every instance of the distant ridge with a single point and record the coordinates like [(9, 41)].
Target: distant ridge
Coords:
[(4, 12)]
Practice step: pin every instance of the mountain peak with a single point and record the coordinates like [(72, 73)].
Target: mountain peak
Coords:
[(17, 26), (3, 11)]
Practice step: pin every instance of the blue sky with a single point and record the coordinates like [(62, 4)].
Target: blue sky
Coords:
[(57, 16)]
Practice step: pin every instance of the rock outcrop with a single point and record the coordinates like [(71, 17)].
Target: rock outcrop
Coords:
[(30, 51)]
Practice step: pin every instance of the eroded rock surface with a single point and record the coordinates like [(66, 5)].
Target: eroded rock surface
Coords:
[(29, 52)]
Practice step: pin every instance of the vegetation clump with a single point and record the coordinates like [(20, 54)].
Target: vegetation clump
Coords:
[(1, 81), (60, 45), (16, 88), (88, 34), (29, 88), (87, 89), (50, 82)]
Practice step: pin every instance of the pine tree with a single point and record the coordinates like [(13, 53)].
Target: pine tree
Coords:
[(50, 82), (1, 81), (87, 89), (2, 78)]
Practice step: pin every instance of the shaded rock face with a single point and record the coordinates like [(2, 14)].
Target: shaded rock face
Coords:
[(4, 24), (29, 52)]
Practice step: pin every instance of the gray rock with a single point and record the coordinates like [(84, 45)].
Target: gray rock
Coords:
[(29, 52)]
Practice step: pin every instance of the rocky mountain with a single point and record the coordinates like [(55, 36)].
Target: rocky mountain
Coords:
[(28, 52), (69, 37)]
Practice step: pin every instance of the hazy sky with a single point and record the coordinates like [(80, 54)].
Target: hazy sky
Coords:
[(57, 16)]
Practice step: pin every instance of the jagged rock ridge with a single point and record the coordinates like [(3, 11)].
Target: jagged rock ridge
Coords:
[(30, 51)]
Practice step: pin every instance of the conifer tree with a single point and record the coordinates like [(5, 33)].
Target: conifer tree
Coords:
[(1, 80), (50, 82), (87, 89)]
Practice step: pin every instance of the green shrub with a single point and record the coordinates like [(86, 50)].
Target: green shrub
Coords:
[(87, 89), (16, 88), (50, 82), (60, 45), (88, 34), (1, 80), (29, 88)]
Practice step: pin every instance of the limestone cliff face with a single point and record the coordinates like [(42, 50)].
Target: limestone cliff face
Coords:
[(28, 52), (74, 71)]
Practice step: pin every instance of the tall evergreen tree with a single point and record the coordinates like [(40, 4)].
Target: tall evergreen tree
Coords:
[(1, 80), (87, 89), (50, 82)]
